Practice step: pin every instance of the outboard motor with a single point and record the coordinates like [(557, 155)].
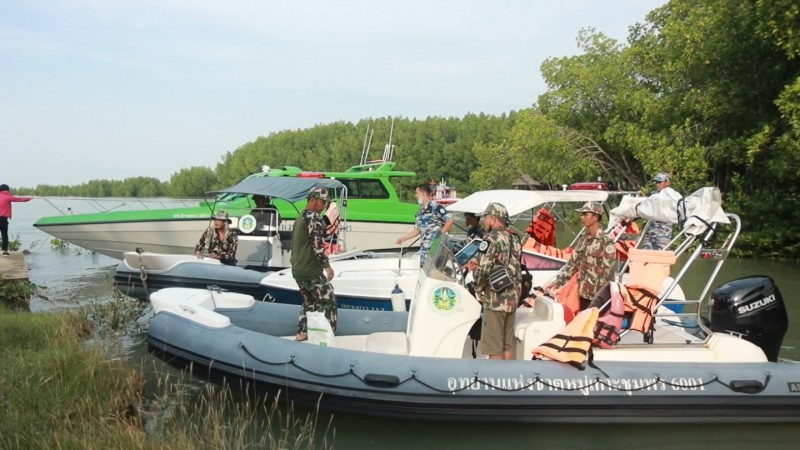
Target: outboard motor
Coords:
[(754, 308)]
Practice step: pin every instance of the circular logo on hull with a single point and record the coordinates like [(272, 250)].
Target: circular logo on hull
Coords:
[(444, 299), (247, 224)]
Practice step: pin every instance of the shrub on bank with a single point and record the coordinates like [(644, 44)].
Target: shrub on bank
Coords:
[(58, 392)]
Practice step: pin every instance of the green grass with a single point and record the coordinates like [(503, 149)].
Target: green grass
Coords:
[(59, 392)]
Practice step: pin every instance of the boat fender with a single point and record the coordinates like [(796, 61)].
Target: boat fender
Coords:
[(381, 380)]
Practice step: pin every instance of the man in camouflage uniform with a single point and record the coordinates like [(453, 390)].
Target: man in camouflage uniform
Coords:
[(594, 258), (309, 261), (499, 247), (658, 235), (220, 241), (432, 218)]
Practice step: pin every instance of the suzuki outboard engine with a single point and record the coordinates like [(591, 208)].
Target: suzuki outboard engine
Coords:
[(754, 308)]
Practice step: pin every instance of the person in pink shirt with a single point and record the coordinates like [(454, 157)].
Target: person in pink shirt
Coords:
[(5, 212)]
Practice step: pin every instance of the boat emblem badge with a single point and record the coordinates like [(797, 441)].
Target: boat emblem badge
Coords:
[(247, 224), (444, 299)]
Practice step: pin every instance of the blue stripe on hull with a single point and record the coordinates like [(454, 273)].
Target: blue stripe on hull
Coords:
[(292, 297)]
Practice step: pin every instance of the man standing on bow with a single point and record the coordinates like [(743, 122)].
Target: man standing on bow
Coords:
[(432, 218), (658, 235), (310, 266)]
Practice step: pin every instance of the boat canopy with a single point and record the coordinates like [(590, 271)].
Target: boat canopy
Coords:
[(519, 201), (287, 188)]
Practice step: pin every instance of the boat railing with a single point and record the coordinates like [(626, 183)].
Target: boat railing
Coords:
[(107, 204), (690, 309)]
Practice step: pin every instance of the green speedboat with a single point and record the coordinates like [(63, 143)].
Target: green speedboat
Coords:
[(372, 219)]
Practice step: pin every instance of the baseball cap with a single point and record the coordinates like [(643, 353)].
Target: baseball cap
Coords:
[(661, 176), (592, 207), (497, 210)]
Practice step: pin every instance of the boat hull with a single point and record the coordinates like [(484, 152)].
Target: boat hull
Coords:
[(128, 280), (179, 236), (425, 388)]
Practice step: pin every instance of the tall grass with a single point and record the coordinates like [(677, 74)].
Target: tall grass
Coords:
[(57, 392)]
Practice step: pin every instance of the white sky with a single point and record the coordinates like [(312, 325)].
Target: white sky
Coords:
[(111, 89)]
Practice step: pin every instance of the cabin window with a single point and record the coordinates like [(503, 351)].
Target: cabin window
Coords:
[(365, 189)]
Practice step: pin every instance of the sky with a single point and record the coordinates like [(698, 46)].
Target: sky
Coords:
[(112, 89)]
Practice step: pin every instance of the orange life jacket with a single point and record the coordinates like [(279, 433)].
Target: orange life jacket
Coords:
[(547, 250), (567, 295), (573, 343), (641, 304), (543, 227), (609, 326)]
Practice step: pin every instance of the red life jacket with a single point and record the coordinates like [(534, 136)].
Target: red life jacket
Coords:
[(609, 326), (543, 227)]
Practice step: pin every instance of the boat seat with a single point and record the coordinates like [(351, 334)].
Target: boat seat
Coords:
[(356, 342), (391, 342), (534, 326), (207, 317)]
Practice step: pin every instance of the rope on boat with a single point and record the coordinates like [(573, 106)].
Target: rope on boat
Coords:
[(143, 272), (741, 386)]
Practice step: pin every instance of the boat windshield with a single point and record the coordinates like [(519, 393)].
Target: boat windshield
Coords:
[(442, 263)]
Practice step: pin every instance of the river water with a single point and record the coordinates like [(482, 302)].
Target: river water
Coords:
[(73, 277)]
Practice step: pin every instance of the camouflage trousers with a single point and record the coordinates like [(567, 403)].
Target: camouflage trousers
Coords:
[(318, 296), (657, 236), (424, 248)]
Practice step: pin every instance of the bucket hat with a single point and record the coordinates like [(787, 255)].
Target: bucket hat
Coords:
[(222, 215)]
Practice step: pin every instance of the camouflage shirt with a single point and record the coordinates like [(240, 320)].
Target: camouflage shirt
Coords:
[(308, 250), (225, 248), (596, 259), (499, 247)]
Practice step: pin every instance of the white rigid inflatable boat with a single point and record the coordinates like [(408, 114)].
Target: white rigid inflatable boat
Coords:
[(418, 364)]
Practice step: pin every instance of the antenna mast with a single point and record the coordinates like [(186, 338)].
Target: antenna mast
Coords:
[(388, 151), (365, 147)]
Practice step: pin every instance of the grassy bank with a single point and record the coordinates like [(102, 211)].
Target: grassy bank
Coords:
[(58, 391)]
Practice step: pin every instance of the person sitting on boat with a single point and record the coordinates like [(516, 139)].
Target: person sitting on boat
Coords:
[(594, 258), (220, 241), (658, 234), (310, 266), (473, 226), (266, 215), (499, 248), (432, 218)]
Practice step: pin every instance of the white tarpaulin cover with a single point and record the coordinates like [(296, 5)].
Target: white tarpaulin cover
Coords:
[(519, 201), (702, 206)]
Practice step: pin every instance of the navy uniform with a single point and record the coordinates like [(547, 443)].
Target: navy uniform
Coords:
[(658, 235), (309, 260), (430, 220)]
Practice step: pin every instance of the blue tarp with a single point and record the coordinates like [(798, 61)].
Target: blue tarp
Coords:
[(287, 188)]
